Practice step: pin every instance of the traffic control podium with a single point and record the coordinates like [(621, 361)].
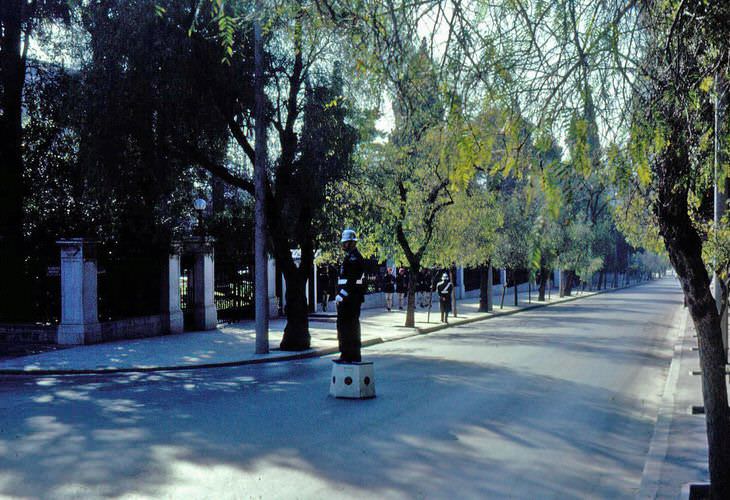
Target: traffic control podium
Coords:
[(354, 380)]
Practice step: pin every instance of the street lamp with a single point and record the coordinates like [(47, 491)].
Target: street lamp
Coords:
[(200, 205)]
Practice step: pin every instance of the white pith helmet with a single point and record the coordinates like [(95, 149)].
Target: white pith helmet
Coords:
[(348, 235)]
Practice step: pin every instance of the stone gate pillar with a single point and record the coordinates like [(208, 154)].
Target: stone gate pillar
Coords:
[(79, 309), (205, 315), (172, 315)]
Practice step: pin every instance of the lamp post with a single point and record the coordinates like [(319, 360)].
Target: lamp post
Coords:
[(200, 205)]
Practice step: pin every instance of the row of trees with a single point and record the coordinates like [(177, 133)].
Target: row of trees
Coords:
[(531, 135), (134, 108)]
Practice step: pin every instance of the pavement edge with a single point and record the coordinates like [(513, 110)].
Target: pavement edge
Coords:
[(659, 445)]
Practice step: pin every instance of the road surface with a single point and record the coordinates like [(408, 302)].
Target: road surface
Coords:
[(557, 402)]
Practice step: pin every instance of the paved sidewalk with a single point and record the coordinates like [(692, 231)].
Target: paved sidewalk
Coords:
[(234, 344), (678, 451)]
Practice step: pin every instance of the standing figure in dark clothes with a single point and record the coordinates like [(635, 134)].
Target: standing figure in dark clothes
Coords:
[(444, 289), (349, 299), (389, 288), (401, 287)]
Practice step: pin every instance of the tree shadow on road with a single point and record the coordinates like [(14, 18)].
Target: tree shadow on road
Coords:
[(438, 428)]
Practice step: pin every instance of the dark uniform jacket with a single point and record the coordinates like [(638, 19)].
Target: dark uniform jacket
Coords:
[(444, 289), (352, 277)]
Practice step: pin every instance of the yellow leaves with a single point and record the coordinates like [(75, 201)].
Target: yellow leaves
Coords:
[(581, 148), (509, 165), (706, 84), (553, 196), (644, 173), (333, 103)]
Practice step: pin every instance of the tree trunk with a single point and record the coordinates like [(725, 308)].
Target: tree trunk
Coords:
[(514, 283), (452, 274), (542, 285), (712, 361), (490, 287), (12, 188), (296, 333), (543, 280), (485, 288), (504, 290), (483, 299), (568, 287), (411, 305), (685, 252)]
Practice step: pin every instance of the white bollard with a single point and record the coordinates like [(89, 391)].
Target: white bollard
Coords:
[(352, 380)]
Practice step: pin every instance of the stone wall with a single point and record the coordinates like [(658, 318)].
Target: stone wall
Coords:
[(132, 328), (27, 334)]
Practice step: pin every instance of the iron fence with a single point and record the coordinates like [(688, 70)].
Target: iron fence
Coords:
[(234, 291)]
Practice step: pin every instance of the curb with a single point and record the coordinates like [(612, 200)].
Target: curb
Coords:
[(659, 444), (493, 314), (310, 353)]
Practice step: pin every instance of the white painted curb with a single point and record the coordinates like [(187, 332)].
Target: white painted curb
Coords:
[(652, 473)]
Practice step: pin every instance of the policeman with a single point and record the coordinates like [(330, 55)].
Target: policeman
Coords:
[(349, 299), (444, 289)]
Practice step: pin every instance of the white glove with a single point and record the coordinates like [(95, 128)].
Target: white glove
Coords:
[(338, 299)]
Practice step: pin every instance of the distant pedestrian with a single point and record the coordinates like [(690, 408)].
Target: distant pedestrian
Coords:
[(325, 284), (389, 288), (422, 287), (444, 289), (401, 286)]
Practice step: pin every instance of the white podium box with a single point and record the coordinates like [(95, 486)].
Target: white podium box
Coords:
[(352, 380)]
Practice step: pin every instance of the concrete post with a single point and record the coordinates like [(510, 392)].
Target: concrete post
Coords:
[(205, 315), (79, 313), (170, 311), (316, 295), (720, 199), (271, 277), (283, 292)]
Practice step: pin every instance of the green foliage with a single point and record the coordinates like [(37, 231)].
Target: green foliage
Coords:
[(514, 249), (466, 231), (716, 249), (648, 264), (575, 249)]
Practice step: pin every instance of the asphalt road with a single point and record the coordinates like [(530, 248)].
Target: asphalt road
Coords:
[(557, 402)]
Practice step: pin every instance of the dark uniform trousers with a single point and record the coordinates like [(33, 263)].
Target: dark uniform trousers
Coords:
[(348, 310), (348, 328)]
